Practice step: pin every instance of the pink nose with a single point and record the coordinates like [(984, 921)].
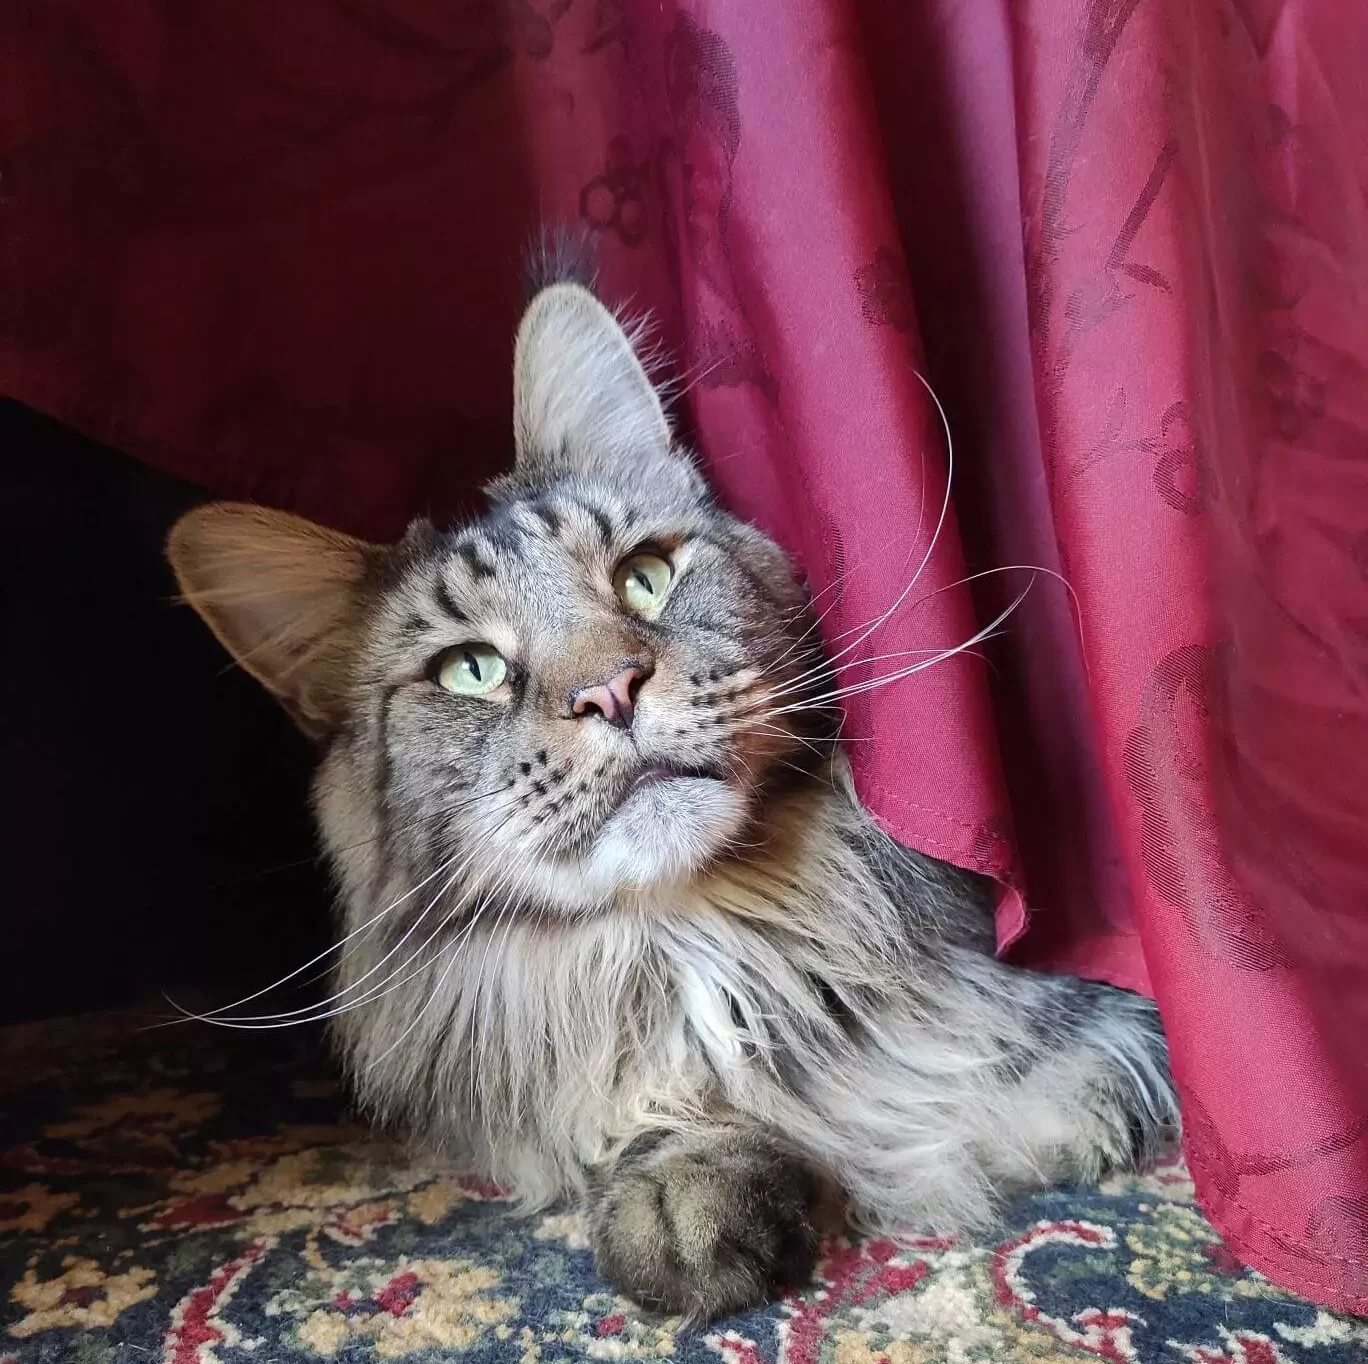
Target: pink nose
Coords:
[(613, 700)]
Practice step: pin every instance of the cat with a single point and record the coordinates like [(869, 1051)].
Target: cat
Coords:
[(617, 927)]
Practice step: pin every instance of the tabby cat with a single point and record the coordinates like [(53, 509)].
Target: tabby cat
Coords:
[(616, 924)]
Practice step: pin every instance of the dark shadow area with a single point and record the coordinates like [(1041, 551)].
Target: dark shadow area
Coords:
[(156, 832)]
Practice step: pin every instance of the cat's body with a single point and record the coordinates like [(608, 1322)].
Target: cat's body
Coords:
[(617, 924)]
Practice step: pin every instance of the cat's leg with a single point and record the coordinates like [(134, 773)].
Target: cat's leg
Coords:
[(1080, 1081), (704, 1222), (981, 1081)]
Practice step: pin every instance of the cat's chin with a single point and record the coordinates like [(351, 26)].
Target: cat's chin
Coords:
[(666, 829)]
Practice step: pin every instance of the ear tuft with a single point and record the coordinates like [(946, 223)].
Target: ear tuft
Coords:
[(582, 402), (285, 597), (558, 255)]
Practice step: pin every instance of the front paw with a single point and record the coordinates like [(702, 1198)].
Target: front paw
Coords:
[(705, 1225)]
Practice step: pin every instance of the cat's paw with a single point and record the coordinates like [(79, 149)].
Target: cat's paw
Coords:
[(1132, 1092), (704, 1225)]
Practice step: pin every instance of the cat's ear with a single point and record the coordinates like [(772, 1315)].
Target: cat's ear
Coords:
[(285, 597), (582, 402)]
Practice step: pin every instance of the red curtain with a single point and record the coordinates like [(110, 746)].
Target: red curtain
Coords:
[(274, 248)]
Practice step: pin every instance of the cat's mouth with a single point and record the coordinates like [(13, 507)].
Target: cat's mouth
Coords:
[(657, 772), (653, 774), (670, 819)]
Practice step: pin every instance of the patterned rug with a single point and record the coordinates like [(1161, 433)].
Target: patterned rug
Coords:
[(189, 1196)]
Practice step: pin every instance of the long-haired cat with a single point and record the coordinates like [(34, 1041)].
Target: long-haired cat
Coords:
[(616, 924)]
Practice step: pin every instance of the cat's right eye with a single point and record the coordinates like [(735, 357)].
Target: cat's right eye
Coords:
[(470, 669)]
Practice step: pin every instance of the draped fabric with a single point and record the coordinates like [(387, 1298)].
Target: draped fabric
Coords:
[(274, 249)]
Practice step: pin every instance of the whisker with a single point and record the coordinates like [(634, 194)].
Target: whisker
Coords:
[(833, 661), (314, 1013), (188, 1016), (936, 534), (819, 702), (452, 953), (930, 549), (396, 978), (795, 683), (401, 975), (816, 623), (799, 683), (309, 1013), (789, 734)]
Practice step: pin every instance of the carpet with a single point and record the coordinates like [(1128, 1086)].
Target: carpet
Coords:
[(193, 1196)]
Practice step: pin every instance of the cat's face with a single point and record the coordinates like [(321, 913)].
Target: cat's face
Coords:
[(568, 698), (574, 685)]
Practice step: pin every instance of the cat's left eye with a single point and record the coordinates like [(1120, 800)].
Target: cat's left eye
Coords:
[(641, 581), (473, 669)]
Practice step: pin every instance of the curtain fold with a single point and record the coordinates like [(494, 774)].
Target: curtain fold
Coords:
[(274, 249)]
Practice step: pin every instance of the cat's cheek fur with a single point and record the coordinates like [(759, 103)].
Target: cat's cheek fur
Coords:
[(668, 830)]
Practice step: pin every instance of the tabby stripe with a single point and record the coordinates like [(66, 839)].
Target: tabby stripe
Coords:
[(547, 515), (600, 519), (445, 600), (471, 555)]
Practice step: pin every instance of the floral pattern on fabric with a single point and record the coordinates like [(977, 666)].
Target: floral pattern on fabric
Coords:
[(182, 1197)]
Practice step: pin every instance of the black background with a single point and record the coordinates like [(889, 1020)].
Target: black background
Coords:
[(154, 833)]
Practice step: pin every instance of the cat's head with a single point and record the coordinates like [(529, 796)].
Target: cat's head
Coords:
[(567, 695)]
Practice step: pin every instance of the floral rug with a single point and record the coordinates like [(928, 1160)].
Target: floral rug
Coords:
[(189, 1196)]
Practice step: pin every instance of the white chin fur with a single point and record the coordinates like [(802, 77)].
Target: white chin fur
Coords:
[(667, 830)]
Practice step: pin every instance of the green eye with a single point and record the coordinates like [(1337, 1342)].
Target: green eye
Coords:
[(641, 581), (470, 669)]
